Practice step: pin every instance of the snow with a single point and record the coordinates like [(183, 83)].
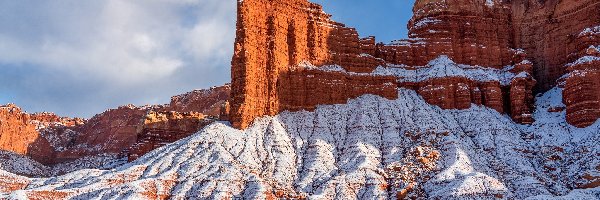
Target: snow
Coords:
[(343, 151), (489, 3), (590, 31), (425, 22), (442, 67), (593, 193), (584, 60), (22, 165)]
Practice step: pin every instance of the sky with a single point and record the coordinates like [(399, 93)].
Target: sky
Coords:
[(78, 58)]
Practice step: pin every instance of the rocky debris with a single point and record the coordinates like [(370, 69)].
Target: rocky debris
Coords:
[(566, 153), (370, 147), (161, 128), (419, 165)]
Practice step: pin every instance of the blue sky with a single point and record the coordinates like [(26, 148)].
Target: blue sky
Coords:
[(79, 58), (385, 19)]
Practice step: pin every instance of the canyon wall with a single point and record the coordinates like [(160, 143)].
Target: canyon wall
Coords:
[(206, 101), (548, 31), (533, 40)]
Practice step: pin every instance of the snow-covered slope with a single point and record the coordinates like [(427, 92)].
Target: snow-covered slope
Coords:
[(370, 148), (23, 165)]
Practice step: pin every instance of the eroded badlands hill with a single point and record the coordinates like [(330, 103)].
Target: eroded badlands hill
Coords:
[(369, 148)]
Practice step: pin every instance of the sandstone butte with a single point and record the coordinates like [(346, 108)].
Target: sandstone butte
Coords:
[(541, 43), (127, 131)]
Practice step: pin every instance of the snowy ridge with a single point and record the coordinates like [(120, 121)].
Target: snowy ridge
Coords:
[(443, 66), (347, 152)]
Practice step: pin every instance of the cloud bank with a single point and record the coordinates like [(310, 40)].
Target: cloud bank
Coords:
[(78, 58)]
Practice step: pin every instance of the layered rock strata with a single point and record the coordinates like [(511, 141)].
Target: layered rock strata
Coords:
[(305, 89), (549, 31), (18, 130), (582, 83), (471, 32)]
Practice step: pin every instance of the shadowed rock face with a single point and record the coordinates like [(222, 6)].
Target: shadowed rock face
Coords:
[(275, 37)]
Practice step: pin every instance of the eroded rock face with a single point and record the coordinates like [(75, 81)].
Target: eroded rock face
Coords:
[(306, 89), (472, 32), (582, 83), (16, 130), (548, 31)]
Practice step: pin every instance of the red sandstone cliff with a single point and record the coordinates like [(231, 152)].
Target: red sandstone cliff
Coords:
[(274, 37)]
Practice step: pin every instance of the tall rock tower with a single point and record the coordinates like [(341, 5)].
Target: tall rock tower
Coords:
[(273, 37)]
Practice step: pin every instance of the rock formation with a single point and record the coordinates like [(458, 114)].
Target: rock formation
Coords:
[(18, 130), (51, 140), (549, 30), (582, 83), (275, 38), (161, 128), (207, 101)]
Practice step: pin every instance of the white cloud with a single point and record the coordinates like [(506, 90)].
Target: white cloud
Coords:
[(131, 51)]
